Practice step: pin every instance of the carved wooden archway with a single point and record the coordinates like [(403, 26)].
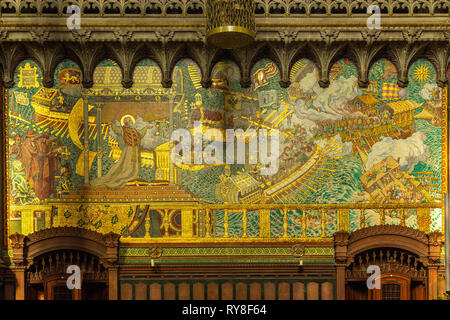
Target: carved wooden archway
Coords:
[(425, 247), (59, 242)]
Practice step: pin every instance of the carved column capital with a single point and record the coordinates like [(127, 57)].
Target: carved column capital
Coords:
[(340, 247), (18, 245)]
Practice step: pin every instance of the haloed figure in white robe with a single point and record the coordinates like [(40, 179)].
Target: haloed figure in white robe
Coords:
[(128, 166)]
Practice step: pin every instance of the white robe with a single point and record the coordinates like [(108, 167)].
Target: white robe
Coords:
[(126, 168)]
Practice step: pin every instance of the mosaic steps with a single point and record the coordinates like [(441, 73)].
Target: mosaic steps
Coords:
[(153, 193)]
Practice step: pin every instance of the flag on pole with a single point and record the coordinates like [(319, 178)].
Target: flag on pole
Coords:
[(390, 91)]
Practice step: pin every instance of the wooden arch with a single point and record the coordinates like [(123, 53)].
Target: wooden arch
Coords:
[(426, 246), (27, 248)]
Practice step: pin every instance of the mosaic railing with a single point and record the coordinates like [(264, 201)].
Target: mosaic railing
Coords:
[(226, 223), (197, 7)]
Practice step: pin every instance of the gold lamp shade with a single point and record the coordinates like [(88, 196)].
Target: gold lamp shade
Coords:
[(231, 23)]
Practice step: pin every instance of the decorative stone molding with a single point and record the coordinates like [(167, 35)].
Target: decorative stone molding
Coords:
[(183, 19), (186, 8)]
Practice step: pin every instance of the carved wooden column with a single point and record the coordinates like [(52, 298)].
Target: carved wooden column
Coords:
[(19, 267), (340, 256), (434, 245), (112, 263)]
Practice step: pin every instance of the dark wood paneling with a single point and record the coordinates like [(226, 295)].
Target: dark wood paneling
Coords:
[(169, 291), (298, 291), (255, 291), (269, 291), (241, 291), (227, 291), (326, 291), (126, 291), (312, 291), (198, 291), (184, 291), (284, 291), (140, 291), (212, 291), (155, 291)]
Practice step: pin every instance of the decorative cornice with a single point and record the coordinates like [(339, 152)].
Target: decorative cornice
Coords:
[(396, 230), (181, 20), (184, 33), (109, 240), (197, 8)]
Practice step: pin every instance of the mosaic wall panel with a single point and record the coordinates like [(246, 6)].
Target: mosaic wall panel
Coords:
[(338, 145)]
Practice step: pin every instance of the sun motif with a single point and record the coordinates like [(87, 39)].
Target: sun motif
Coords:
[(422, 73)]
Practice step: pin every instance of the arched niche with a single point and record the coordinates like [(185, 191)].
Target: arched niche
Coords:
[(29, 250), (425, 247), (421, 72), (108, 75), (68, 79), (147, 73), (225, 74)]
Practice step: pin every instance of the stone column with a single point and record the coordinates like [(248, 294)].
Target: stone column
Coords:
[(99, 107), (447, 243), (447, 204), (86, 135), (264, 223), (187, 223), (171, 164)]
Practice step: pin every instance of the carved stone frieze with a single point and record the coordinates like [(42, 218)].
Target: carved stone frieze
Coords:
[(197, 8)]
